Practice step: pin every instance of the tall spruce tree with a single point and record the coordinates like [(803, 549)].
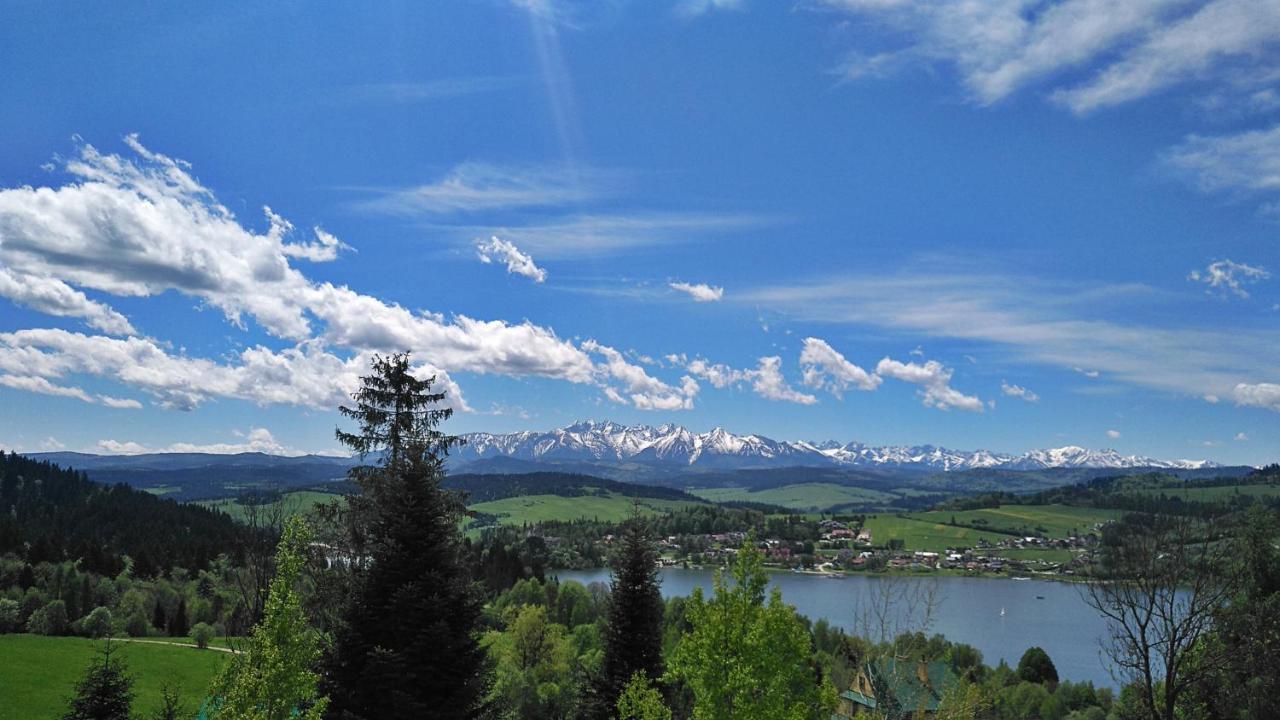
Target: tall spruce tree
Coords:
[(408, 644), (106, 692), (633, 639)]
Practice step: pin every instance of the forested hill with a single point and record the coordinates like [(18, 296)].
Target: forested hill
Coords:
[(48, 513), (483, 488)]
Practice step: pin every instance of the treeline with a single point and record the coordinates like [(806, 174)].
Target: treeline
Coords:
[(52, 514), (483, 488)]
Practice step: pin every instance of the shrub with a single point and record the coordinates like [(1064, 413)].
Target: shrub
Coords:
[(97, 624), (49, 620), (137, 625), (202, 633), (10, 611)]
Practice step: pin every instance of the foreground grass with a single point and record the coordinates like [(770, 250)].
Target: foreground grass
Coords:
[(38, 674), (609, 507)]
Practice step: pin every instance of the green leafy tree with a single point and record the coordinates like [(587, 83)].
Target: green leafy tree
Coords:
[(98, 623), (633, 638), (49, 620), (533, 668), (408, 644), (639, 700), (10, 615), (273, 678), (201, 634), (745, 659), (105, 692), (1036, 667)]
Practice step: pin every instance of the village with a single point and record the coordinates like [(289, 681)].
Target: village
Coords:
[(848, 546)]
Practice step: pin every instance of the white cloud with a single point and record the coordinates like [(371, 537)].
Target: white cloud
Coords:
[(700, 292), (1125, 51), (643, 390), (767, 382), (53, 297), (42, 386), (826, 369), (694, 8), (481, 187), (1046, 322), (1244, 162), (1263, 395), (935, 382), (1226, 276), (581, 235), (501, 251), (257, 440), (1091, 374), (766, 379), (1242, 437), (1113, 434), (1018, 391)]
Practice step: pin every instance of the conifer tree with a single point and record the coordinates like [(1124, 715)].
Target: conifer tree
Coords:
[(633, 638), (178, 625), (106, 692), (408, 644)]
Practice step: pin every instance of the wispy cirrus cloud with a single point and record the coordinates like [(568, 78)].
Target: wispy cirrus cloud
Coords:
[(1093, 54), (474, 187), (1019, 392), (425, 90), (1041, 322), (1245, 163)]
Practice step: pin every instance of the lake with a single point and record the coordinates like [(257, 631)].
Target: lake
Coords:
[(967, 610)]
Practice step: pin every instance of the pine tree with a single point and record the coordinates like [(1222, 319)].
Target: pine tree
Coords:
[(633, 639), (106, 692), (408, 646), (158, 618), (178, 624)]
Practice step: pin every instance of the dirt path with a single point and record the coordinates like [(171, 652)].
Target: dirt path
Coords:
[(174, 644)]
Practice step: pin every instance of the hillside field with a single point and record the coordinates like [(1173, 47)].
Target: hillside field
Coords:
[(1055, 521), (610, 507), (38, 674), (813, 497), (297, 502)]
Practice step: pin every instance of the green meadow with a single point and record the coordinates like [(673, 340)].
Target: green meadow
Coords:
[(1055, 521), (607, 506), (801, 496), (38, 674)]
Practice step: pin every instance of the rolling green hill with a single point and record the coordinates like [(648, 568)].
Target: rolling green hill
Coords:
[(815, 497), (38, 674), (607, 506)]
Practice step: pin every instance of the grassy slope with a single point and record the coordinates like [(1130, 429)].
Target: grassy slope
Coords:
[(801, 496), (924, 535), (539, 508), (1214, 494), (296, 502), (1057, 520), (38, 674)]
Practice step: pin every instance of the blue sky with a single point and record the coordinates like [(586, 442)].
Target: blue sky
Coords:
[(998, 225)]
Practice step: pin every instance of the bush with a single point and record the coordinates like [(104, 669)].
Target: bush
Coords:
[(137, 625), (10, 612), (202, 633), (49, 620), (97, 624)]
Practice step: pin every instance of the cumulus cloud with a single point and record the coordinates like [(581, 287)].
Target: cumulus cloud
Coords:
[(1113, 434), (51, 296), (1242, 437), (935, 383), (1263, 395), (826, 369), (766, 379), (497, 250), (42, 386), (1018, 391), (643, 391), (1228, 277), (700, 292), (257, 440), (767, 382)]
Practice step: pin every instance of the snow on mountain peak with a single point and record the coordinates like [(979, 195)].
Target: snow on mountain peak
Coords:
[(592, 440)]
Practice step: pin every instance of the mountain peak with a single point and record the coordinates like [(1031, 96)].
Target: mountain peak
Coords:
[(671, 444)]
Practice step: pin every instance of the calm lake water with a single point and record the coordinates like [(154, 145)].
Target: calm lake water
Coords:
[(967, 610)]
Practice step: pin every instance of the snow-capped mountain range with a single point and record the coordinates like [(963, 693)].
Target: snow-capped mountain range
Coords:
[(672, 445)]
